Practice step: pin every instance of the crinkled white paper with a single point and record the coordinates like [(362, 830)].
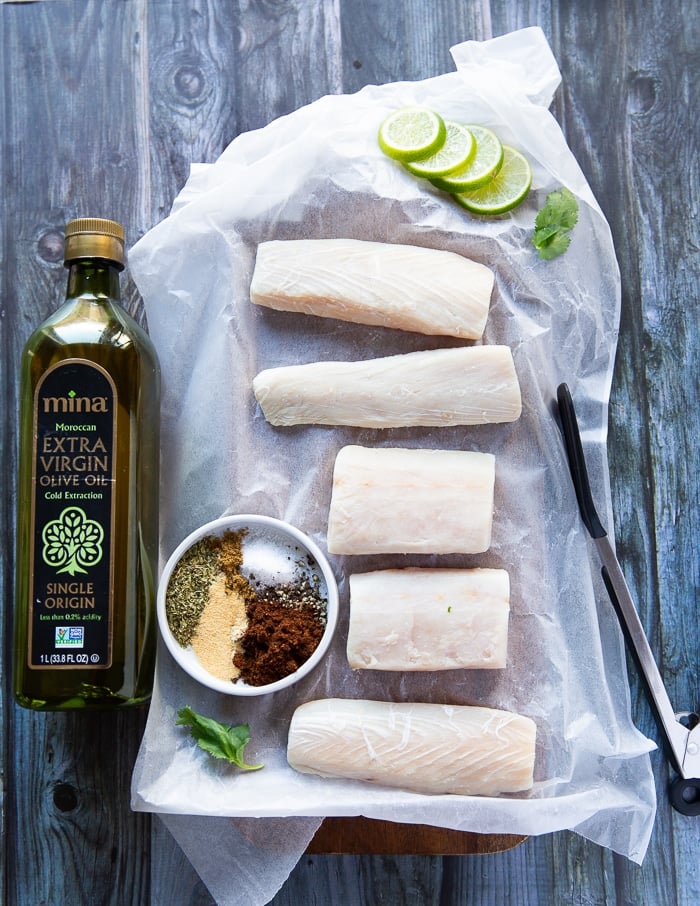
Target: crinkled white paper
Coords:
[(319, 173)]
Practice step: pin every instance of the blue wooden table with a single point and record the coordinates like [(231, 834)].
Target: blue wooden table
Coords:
[(170, 82)]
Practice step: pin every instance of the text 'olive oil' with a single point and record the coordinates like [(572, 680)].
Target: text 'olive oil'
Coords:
[(87, 516)]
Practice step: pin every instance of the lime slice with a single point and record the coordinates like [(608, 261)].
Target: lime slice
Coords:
[(482, 167), (506, 190), (458, 150), (412, 133)]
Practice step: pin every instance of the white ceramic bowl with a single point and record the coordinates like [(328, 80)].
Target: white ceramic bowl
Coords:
[(271, 551)]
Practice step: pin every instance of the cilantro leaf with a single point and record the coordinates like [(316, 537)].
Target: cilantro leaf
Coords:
[(219, 740), (553, 223), (543, 234), (560, 210), (554, 246)]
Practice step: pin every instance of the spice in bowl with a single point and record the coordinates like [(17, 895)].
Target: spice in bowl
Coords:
[(251, 621), (285, 624)]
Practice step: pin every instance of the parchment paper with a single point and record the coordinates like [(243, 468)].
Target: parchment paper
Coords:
[(318, 173)]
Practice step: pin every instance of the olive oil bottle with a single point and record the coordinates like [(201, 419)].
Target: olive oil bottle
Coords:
[(87, 518)]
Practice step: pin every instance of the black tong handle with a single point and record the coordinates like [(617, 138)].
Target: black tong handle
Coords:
[(577, 463), (684, 791)]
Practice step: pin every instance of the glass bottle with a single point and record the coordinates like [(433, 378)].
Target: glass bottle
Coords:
[(87, 521)]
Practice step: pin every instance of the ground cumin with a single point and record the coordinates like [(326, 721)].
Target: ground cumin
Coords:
[(230, 550), (277, 641)]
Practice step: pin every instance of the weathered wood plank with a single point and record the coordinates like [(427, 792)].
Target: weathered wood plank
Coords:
[(386, 42), (216, 70), (289, 55), (190, 52), (658, 370), (87, 844)]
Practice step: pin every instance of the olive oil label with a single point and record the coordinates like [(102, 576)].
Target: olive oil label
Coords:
[(73, 488)]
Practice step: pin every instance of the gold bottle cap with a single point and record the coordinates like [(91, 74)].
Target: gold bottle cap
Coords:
[(94, 237)]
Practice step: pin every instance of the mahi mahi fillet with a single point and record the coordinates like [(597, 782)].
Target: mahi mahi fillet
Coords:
[(395, 500), (422, 747), (428, 619), (409, 287), (467, 385)]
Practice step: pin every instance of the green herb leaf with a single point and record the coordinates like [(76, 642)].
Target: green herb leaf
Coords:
[(554, 245), (560, 211), (557, 218), (219, 740), (543, 235)]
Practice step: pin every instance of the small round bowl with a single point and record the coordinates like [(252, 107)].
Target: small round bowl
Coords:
[(271, 548)]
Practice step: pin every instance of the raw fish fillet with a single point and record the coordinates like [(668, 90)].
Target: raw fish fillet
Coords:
[(404, 286), (469, 385), (428, 619), (422, 747), (395, 500)]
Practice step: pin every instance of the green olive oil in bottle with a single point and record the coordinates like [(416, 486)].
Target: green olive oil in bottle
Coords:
[(87, 518)]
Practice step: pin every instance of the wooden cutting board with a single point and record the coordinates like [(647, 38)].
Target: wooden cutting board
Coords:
[(367, 836)]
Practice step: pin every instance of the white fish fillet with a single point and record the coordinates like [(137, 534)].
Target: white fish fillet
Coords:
[(412, 288), (394, 500), (423, 747), (428, 619), (469, 385)]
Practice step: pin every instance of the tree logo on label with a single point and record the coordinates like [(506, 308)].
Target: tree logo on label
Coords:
[(72, 542)]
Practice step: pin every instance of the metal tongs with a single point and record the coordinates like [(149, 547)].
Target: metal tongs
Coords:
[(681, 731)]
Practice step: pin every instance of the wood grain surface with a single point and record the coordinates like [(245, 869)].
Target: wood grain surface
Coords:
[(357, 836), (104, 106)]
